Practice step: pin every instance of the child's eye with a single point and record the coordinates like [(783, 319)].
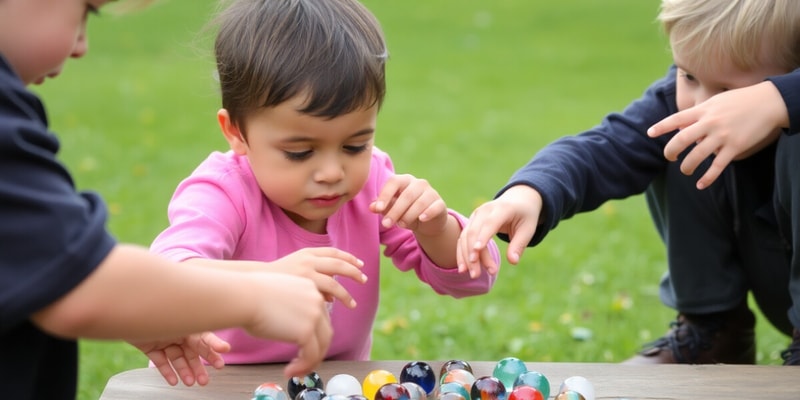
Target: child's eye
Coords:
[(690, 79), (355, 149), (297, 155)]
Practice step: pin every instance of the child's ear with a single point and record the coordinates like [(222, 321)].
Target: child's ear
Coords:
[(231, 132)]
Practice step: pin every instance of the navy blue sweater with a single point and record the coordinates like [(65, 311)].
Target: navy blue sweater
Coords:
[(51, 238), (616, 159)]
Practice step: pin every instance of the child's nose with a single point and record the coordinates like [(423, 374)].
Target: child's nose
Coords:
[(330, 171)]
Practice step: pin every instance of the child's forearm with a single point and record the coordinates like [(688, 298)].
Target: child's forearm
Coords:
[(441, 248), (170, 300)]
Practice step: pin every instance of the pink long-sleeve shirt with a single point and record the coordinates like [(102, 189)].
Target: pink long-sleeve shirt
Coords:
[(219, 212)]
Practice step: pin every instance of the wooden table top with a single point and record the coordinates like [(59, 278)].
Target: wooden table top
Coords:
[(611, 381)]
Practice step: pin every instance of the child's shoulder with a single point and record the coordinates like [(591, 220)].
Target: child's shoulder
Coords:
[(222, 164), (226, 170)]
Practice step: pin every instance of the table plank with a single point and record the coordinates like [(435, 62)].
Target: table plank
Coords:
[(611, 381)]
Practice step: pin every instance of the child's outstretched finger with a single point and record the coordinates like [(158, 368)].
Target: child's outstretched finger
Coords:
[(399, 210), (715, 170), (519, 239), (312, 350), (704, 148), (672, 123), (487, 260), (388, 193), (332, 288), (159, 359)]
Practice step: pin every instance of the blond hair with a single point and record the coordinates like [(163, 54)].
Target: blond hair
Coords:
[(747, 33)]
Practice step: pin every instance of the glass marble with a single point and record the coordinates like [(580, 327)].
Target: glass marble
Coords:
[(535, 379), (312, 393), (420, 373), (454, 364), (461, 376), (450, 396), (374, 380), (488, 388), (298, 384), (569, 395), (580, 385), (524, 392), (508, 369), (335, 397), (455, 387), (271, 390), (415, 391), (392, 391), (356, 397), (343, 384)]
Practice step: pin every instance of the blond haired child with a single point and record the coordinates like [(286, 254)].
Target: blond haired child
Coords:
[(722, 243)]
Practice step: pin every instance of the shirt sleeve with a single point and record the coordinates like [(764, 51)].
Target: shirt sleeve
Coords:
[(613, 160), (789, 87), (51, 236), (203, 219)]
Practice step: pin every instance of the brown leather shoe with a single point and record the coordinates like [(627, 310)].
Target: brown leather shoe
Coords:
[(791, 356), (727, 338)]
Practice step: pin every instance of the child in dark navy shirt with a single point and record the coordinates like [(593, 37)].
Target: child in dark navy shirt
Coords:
[(733, 125), (723, 243), (64, 277)]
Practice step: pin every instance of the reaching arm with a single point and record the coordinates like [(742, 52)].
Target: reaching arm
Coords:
[(139, 296)]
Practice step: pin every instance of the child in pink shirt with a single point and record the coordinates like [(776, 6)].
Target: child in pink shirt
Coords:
[(303, 190)]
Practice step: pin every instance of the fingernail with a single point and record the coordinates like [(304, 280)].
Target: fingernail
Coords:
[(387, 222), (363, 278), (352, 303), (477, 245)]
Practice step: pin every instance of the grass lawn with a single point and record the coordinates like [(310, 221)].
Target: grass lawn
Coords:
[(475, 88)]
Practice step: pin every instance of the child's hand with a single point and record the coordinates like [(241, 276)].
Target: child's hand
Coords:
[(515, 212), (291, 309), (182, 357), (321, 264), (411, 203), (733, 125)]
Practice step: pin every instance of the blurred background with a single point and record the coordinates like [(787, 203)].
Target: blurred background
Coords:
[(475, 88)]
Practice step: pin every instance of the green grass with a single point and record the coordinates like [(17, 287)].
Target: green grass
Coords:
[(474, 89)]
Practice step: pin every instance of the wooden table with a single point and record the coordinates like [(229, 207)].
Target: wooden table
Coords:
[(611, 381)]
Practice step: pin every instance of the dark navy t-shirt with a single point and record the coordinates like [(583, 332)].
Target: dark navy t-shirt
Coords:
[(51, 238)]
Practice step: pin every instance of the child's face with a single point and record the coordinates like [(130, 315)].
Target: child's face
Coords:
[(697, 82), (38, 36), (308, 166)]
